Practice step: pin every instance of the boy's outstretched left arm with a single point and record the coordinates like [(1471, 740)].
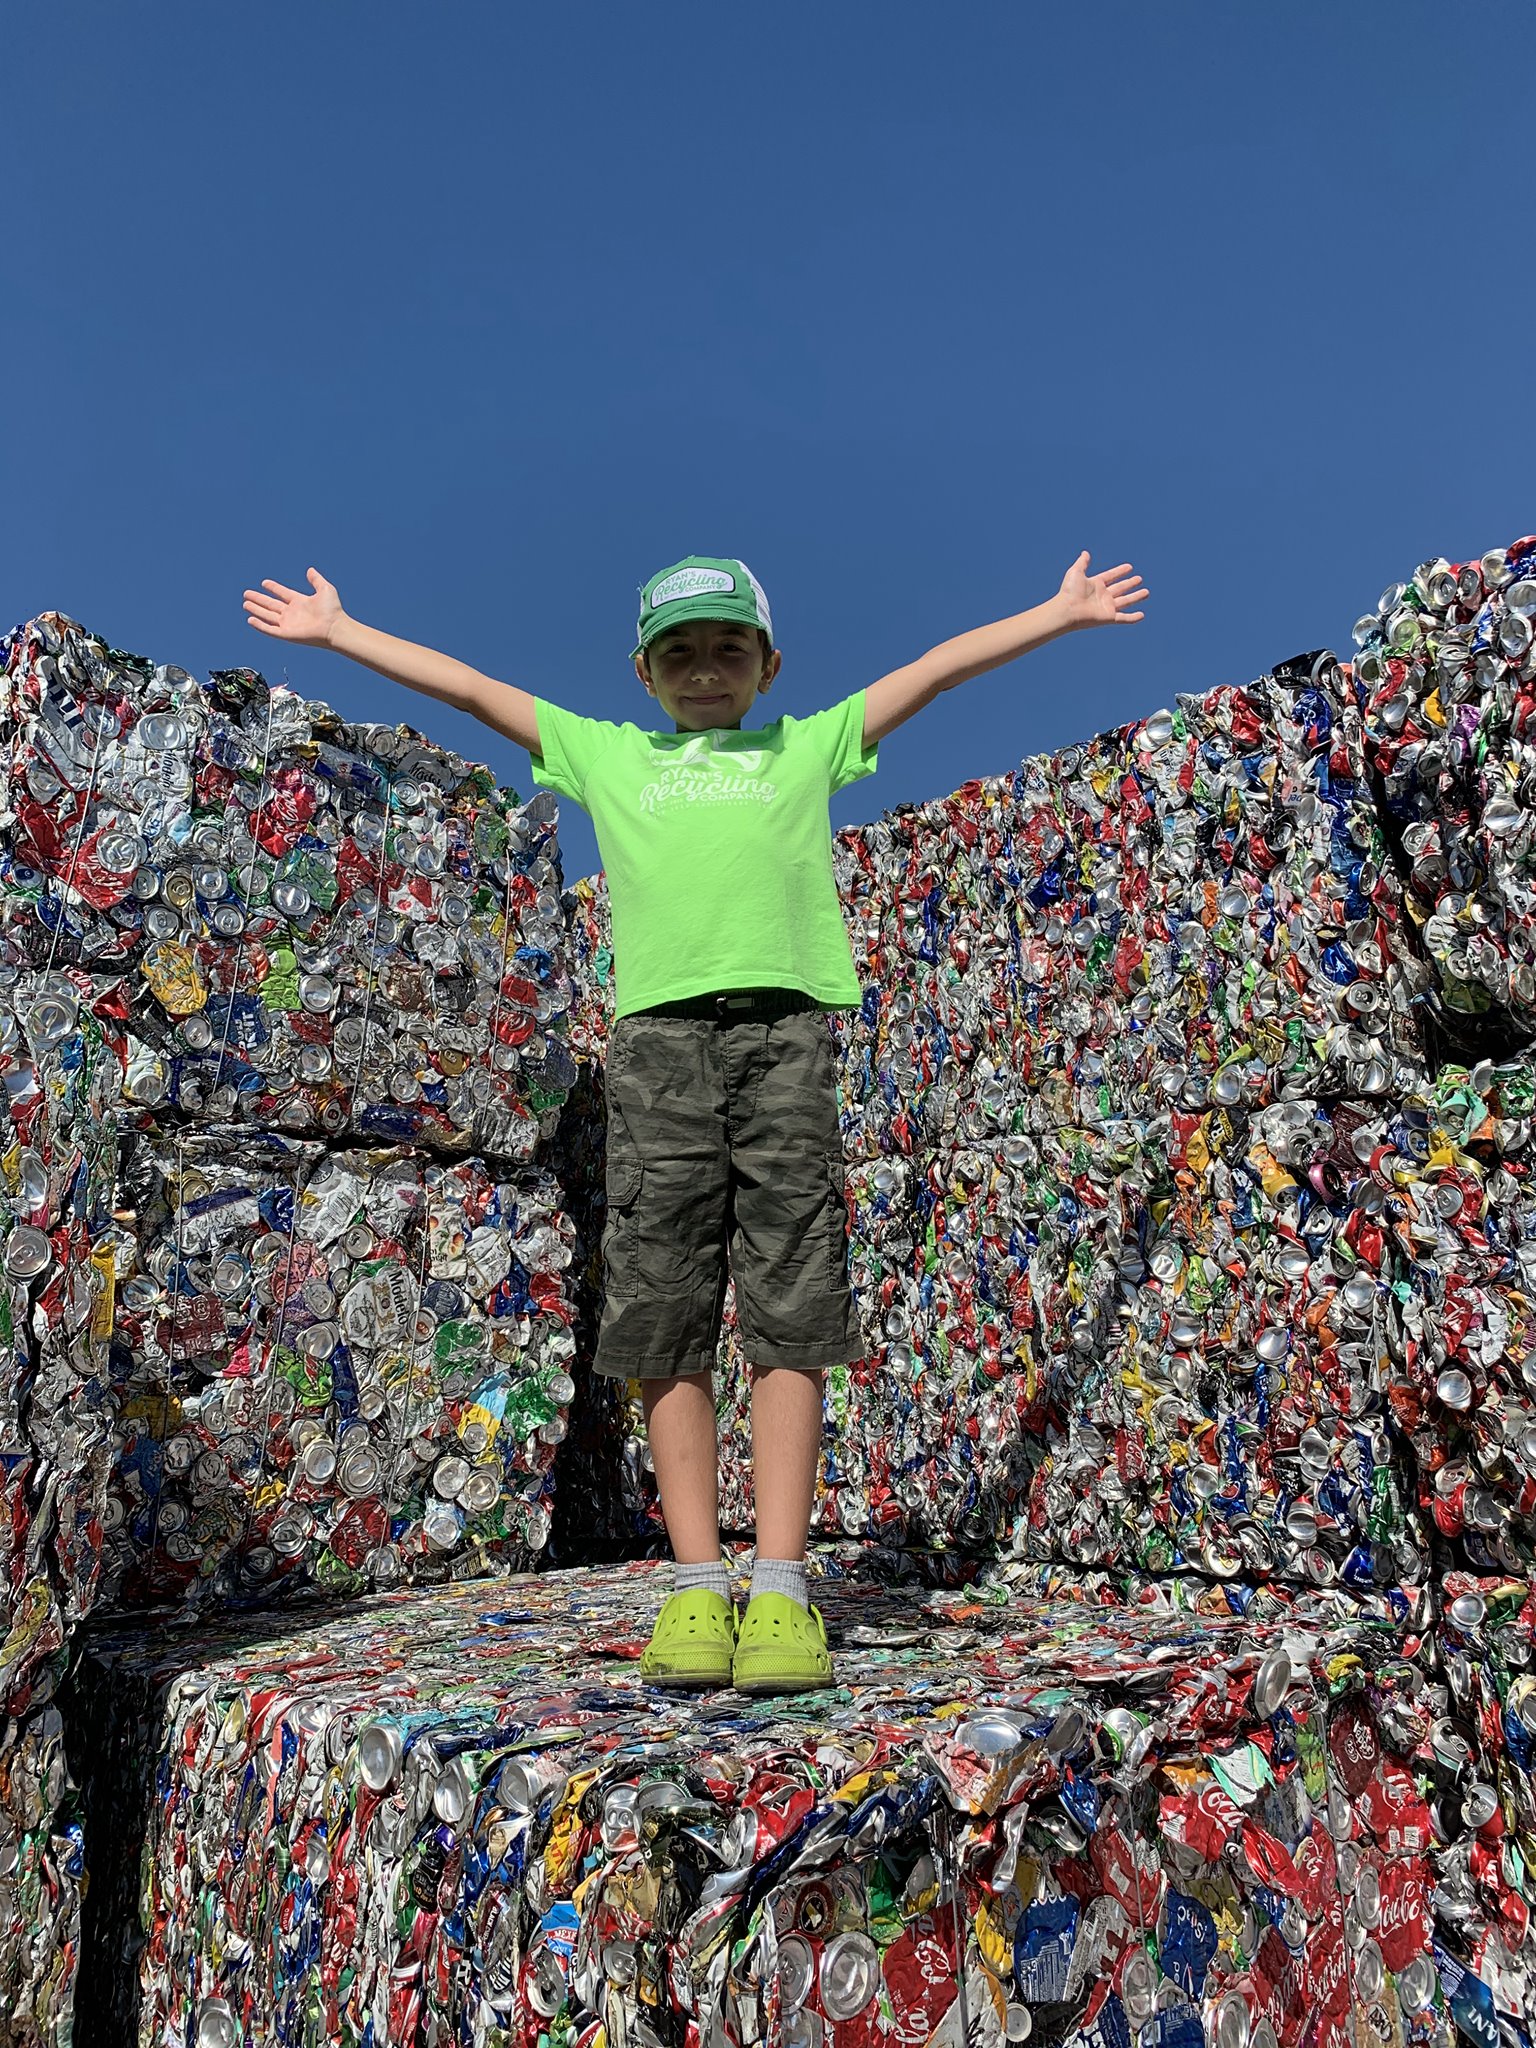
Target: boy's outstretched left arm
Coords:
[(1083, 600)]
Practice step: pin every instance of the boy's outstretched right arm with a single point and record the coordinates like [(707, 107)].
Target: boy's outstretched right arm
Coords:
[(316, 619)]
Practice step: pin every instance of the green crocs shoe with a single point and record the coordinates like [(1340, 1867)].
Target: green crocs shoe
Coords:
[(692, 1641), (781, 1647)]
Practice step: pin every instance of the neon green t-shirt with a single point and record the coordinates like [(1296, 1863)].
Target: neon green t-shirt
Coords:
[(717, 847)]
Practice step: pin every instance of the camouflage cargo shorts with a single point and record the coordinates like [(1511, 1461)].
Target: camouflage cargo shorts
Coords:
[(724, 1158)]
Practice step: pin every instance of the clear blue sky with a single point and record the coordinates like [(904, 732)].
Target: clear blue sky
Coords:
[(490, 310)]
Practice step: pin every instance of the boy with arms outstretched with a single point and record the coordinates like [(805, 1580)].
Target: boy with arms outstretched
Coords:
[(723, 1137)]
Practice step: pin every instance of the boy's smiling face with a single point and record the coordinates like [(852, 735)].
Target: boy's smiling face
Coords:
[(707, 672)]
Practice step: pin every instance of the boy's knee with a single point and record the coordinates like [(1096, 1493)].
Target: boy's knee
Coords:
[(652, 1390)]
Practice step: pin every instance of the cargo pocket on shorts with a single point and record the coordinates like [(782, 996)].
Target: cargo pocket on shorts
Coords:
[(621, 1236), (837, 1228)]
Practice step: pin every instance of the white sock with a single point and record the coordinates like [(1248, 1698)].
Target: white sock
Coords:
[(781, 1575), (707, 1578)]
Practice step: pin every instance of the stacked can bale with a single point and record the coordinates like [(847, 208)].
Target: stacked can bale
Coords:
[(337, 955), (60, 1066), (1481, 1754), (332, 1366), (1446, 678), (459, 1816), (324, 929)]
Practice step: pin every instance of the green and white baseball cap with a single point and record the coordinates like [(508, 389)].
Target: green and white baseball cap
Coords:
[(702, 587)]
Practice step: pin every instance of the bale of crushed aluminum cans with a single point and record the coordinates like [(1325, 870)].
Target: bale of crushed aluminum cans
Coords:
[(324, 928), (42, 1880), (1229, 1398), (1213, 1394), (333, 1367), (60, 1067), (1446, 679), (1197, 907), (1480, 1757), (1464, 1208), (459, 1816)]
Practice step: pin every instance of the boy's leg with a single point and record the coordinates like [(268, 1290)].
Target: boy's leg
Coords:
[(781, 1645), (694, 1641), (795, 1316), (786, 1443), (680, 1422), (794, 1310), (665, 1279), (664, 1256)]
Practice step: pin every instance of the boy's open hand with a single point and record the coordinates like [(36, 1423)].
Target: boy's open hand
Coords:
[(1102, 600), (309, 618)]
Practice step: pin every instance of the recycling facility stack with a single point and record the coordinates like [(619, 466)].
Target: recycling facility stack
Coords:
[(458, 1816), (1189, 1214), (219, 905), (56, 1447), (341, 1346), (1446, 679)]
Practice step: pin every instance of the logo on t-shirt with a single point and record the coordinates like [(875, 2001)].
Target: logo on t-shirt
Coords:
[(701, 773)]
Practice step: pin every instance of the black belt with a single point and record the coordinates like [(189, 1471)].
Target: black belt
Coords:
[(738, 1006)]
